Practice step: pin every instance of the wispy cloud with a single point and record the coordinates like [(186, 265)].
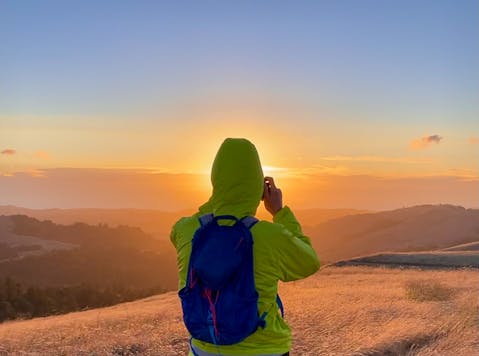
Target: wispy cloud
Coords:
[(464, 174), (8, 151), (424, 142), (407, 160), (36, 173), (474, 140)]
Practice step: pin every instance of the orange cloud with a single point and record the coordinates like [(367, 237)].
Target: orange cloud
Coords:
[(42, 155), (424, 142), (8, 151), (474, 140)]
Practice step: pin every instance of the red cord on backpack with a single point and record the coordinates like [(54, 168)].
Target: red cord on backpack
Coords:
[(207, 293)]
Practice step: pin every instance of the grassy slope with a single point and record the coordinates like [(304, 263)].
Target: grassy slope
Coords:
[(473, 246), (432, 259), (339, 311)]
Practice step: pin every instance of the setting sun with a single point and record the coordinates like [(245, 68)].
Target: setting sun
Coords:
[(336, 125)]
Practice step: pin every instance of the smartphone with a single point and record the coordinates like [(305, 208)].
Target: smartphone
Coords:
[(268, 186), (268, 183)]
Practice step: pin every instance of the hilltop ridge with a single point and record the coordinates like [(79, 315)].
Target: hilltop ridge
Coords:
[(417, 228)]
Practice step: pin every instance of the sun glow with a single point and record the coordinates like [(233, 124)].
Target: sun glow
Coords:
[(272, 171)]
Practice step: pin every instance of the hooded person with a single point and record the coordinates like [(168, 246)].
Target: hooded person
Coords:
[(281, 252)]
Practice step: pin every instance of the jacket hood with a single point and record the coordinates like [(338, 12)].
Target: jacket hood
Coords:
[(237, 180)]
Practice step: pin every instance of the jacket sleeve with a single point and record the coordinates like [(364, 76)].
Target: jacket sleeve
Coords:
[(297, 258), (173, 236)]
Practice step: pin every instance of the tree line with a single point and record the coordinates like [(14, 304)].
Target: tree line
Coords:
[(9, 252), (105, 266)]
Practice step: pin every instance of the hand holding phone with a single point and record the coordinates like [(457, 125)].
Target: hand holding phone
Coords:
[(272, 196)]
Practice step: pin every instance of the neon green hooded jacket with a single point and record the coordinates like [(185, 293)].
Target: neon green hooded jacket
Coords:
[(281, 251)]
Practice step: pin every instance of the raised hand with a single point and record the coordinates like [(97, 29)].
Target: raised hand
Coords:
[(272, 196)]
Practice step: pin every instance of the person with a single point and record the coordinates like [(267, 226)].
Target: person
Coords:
[(281, 252)]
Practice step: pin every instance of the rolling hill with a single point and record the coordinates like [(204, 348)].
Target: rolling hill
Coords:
[(460, 256), (336, 234), (65, 255), (155, 222), (419, 228), (20, 246)]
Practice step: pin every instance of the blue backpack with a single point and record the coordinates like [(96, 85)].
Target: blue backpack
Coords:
[(220, 301)]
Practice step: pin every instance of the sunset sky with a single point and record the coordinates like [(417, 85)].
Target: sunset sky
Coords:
[(354, 104)]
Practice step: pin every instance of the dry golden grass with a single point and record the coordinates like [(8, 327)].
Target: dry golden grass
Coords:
[(339, 311), (428, 291)]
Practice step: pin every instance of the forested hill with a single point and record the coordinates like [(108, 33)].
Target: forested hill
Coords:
[(98, 255), (99, 259)]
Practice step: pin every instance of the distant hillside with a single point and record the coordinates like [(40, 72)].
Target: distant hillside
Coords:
[(67, 255), (419, 228), (336, 234), (313, 217), (458, 256), (154, 222), (15, 246)]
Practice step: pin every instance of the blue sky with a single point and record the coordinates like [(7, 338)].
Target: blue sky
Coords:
[(340, 94), (118, 58)]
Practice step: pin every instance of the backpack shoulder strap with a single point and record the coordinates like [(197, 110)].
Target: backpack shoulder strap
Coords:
[(280, 305), (205, 219), (249, 221)]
